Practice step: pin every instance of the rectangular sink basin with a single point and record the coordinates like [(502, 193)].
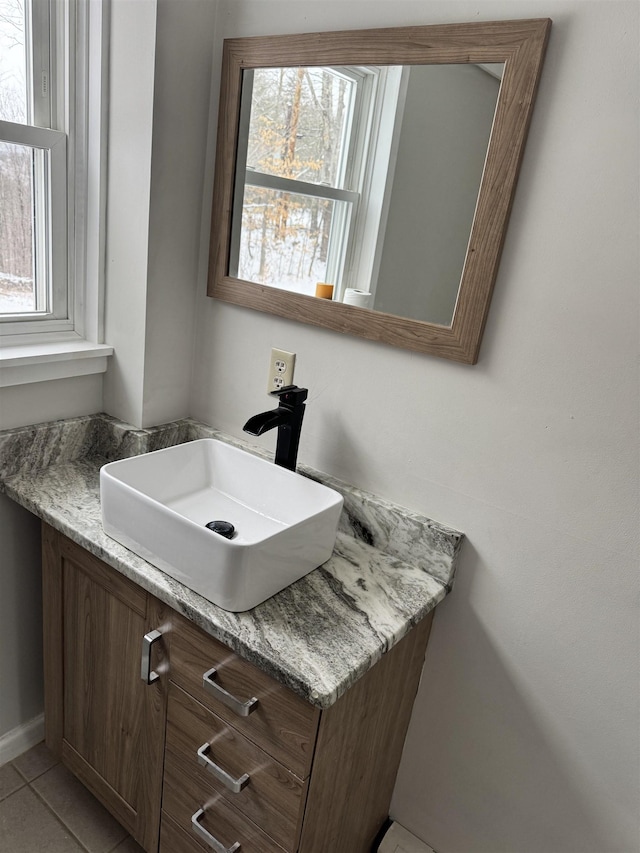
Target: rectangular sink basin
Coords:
[(158, 504)]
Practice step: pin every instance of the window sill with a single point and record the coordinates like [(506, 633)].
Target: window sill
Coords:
[(41, 362)]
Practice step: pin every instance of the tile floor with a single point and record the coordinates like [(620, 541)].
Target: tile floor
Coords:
[(400, 840), (44, 809)]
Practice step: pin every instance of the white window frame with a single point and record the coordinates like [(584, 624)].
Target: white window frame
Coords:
[(346, 193), (51, 223), (68, 341), (385, 123), (49, 41), (362, 197)]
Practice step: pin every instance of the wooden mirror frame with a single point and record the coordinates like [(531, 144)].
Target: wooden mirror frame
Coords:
[(520, 45)]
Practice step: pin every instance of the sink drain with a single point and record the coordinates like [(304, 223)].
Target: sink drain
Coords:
[(223, 528)]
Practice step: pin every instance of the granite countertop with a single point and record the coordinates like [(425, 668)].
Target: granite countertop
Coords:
[(390, 567)]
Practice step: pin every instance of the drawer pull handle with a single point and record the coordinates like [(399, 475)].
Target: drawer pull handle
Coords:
[(235, 785), (242, 709), (146, 673), (209, 839)]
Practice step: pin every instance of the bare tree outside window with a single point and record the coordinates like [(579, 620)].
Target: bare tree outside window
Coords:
[(17, 163), (296, 132)]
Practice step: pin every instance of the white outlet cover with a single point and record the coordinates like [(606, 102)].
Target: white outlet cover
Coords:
[(281, 368)]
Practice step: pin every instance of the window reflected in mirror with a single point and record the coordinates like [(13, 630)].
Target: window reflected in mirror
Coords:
[(348, 175)]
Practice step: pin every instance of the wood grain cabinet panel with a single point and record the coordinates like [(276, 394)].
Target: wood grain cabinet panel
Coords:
[(173, 839), (272, 796), (358, 751), (220, 819), (319, 781), (283, 724), (105, 723)]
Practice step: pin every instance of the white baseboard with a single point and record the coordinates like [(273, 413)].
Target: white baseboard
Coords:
[(20, 739), (400, 840)]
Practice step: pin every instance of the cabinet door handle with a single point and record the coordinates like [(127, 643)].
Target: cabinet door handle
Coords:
[(242, 709), (235, 785), (146, 673), (209, 839)]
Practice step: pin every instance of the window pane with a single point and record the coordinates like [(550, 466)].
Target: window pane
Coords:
[(13, 61), (17, 275), (298, 123), (284, 239)]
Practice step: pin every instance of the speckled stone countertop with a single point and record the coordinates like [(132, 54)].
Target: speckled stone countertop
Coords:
[(389, 568)]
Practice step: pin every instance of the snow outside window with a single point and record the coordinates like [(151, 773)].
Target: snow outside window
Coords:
[(34, 291), (304, 175)]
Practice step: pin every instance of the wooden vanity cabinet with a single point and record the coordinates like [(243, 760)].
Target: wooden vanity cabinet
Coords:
[(101, 719), (276, 775)]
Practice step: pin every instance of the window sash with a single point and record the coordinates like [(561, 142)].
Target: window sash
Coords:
[(277, 182), (39, 32), (346, 200), (366, 170), (51, 202)]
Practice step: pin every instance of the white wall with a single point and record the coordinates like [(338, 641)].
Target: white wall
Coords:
[(48, 401), (131, 70), (20, 617), (20, 578), (524, 735), (160, 69), (180, 115), (446, 125)]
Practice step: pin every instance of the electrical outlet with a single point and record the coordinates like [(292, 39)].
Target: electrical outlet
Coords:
[(280, 369)]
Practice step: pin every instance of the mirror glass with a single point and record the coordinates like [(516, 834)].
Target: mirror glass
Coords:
[(355, 182), (364, 178)]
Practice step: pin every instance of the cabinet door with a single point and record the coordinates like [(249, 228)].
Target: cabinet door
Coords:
[(105, 722)]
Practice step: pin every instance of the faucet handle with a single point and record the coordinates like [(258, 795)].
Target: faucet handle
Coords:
[(290, 395)]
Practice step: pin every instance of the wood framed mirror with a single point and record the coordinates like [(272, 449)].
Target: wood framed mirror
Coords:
[(373, 290)]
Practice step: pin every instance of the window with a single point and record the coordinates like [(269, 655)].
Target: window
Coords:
[(34, 191), (305, 199), (53, 95)]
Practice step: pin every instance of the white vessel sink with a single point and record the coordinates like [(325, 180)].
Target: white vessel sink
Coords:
[(158, 504)]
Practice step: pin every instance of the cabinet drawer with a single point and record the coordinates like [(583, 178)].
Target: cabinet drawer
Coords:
[(174, 840), (281, 723), (271, 796), (182, 798)]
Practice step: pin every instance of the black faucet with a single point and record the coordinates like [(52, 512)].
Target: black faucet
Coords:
[(288, 418)]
